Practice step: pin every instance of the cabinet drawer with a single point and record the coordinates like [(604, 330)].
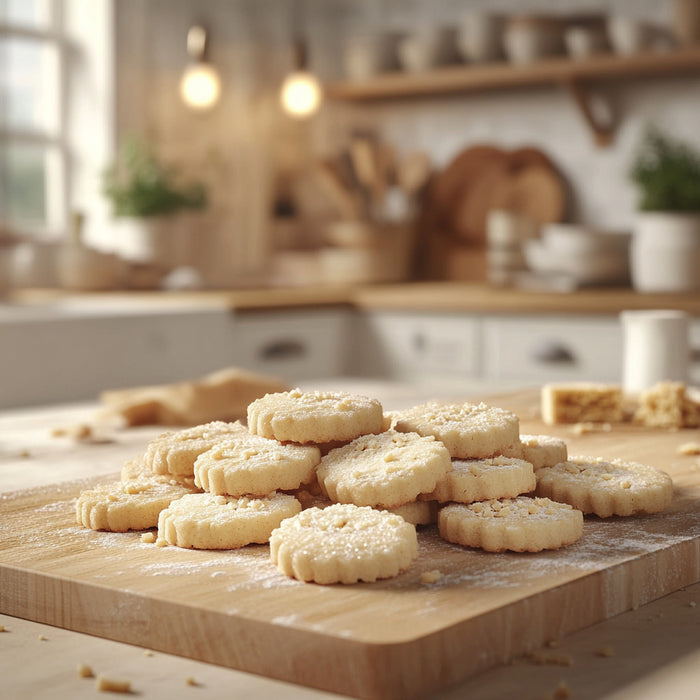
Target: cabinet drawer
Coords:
[(553, 348), (292, 345), (409, 346)]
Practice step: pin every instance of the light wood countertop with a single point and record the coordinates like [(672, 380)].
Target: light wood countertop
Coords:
[(419, 296)]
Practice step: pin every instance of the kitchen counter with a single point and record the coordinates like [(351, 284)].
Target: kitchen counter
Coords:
[(418, 296), (643, 654)]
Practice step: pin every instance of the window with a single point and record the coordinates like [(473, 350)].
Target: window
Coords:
[(33, 150)]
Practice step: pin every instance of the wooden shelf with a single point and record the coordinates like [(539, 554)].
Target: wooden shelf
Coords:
[(574, 75)]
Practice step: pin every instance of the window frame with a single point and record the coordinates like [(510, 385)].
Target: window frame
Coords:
[(53, 143)]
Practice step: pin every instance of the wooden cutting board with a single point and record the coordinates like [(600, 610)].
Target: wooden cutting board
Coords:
[(399, 638)]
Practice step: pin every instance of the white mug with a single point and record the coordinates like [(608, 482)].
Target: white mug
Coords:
[(656, 348)]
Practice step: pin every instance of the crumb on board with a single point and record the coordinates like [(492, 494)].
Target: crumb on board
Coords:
[(689, 448), (25, 454), (85, 671), (3, 628), (432, 576), (43, 638), (148, 537), (692, 604), (605, 652), (553, 643), (112, 685), (148, 652), (190, 680)]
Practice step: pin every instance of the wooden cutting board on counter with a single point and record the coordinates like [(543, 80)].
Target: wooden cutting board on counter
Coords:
[(398, 638)]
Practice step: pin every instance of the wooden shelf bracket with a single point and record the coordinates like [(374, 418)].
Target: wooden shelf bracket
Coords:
[(597, 113)]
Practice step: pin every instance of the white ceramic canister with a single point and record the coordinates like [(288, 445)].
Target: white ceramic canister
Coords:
[(656, 348)]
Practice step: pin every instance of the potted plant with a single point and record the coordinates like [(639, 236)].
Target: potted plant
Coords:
[(148, 203), (665, 250)]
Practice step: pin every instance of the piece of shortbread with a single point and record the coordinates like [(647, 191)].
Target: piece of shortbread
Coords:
[(134, 504), (208, 521), (483, 479), (387, 469), (469, 431), (521, 524), (314, 417), (343, 543), (606, 487), (252, 465), (175, 452)]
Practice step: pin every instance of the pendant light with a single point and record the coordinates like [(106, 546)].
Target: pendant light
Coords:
[(200, 86), (301, 92)]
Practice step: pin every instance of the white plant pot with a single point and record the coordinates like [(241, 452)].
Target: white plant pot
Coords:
[(665, 252), (155, 240)]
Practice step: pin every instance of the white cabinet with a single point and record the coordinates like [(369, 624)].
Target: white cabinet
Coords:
[(553, 348), (292, 345), (413, 346)]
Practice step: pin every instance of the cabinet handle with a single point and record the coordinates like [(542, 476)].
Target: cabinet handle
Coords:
[(553, 353), (282, 350)]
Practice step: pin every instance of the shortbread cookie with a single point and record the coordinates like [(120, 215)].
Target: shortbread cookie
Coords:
[(482, 479), (540, 450), (521, 524), (317, 417), (387, 469), (137, 469), (417, 512), (343, 543), (668, 405), (606, 487), (134, 504), (254, 465), (580, 402), (175, 452), (469, 431), (208, 521)]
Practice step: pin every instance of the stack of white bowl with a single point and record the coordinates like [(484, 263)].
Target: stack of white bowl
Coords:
[(585, 255)]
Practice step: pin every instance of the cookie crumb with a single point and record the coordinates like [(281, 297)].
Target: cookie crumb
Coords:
[(148, 652), (553, 643), (689, 448), (112, 685), (85, 671), (3, 628), (692, 604), (25, 454), (43, 638), (606, 651), (148, 537), (432, 576), (190, 680)]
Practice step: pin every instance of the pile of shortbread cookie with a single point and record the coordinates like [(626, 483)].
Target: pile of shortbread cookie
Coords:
[(337, 486)]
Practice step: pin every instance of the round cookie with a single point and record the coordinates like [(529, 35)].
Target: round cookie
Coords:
[(386, 470), (138, 469), (316, 417), (343, 543), (469, 431), (134, 504), (254, 465), (417, 512), (175, 452), (482, 479), (540, 450), (606, 487), (208, 521), (521, 524)]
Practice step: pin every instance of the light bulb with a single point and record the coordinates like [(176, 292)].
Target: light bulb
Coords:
[(200, 86), (301, 94)]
